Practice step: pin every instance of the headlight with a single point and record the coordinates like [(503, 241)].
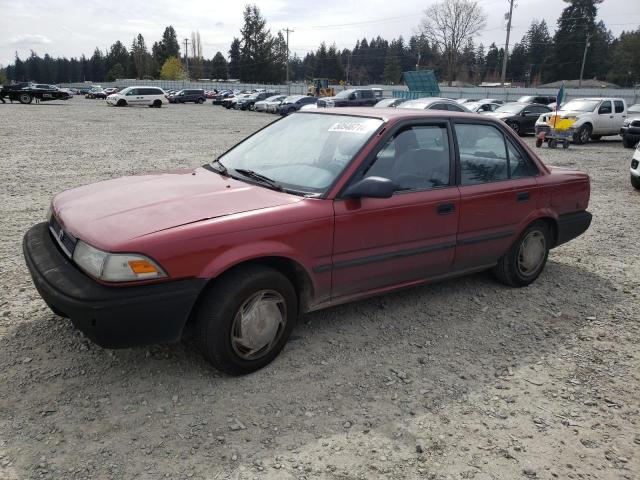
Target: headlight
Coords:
[(627, 122), (115, 267)]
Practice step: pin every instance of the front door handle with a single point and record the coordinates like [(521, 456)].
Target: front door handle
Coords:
[(446, 208), (522, 196)]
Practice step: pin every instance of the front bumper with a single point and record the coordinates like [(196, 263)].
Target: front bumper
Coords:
[(572, 225), (113, 317)]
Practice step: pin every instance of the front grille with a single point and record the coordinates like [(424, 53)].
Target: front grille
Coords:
[(634, 164), (66, 241)]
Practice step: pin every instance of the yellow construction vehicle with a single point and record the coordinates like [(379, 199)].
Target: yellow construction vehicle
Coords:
[(320, 88)]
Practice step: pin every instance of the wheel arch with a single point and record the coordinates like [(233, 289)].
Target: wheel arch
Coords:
[(290, 268)]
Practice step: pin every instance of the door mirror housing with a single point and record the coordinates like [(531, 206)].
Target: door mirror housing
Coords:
[(371, 187)]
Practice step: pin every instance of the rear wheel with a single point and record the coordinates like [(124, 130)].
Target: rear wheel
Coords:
[(200, 101), (553, 143), (565, 144), (526, 259), (157, 103), (25, 98), (635, 182), (583, 134), (246, 318), (538, 142)]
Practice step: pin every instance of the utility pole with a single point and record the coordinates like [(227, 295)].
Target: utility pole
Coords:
[(584, 58), (288, 32), (418, 64), (506, 45), (348, 68), (186, 55)]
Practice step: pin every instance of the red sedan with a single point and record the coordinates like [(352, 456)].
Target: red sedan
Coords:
[(314, 210)]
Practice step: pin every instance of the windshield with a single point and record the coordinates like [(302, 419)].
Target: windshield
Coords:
[(419, 104), (287, 154), (345, 94), (510, 108), (581, 105)]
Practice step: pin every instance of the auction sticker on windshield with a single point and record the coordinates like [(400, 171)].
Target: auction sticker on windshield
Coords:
[(353, 127)]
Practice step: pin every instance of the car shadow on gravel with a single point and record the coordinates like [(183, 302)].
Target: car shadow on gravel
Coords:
[(357, 364)]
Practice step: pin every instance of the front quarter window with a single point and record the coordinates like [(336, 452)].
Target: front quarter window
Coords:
[(286, 153)]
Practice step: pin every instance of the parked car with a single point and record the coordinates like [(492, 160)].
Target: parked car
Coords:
[(541, 99), (490, 100), (635, 169), (294, 103), (275, 100), (390, 102), (521, 117), (111, 90), (353, 97), (95, 92), (249, 102), (186, 96), (630, 130), (481, 107), (466, 100), (230, 102), (593, 118), (138, 95), (434, 103), (286, 222), (220, 96)]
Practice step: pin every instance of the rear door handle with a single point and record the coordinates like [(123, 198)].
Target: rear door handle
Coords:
[(522, 196), (446, 208)]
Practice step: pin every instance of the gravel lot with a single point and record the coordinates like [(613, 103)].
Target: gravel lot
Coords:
[(462, 379)]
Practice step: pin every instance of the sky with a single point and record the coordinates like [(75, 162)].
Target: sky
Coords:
[(71, 28)]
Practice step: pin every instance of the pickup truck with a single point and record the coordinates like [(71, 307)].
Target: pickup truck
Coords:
[(354, 97), (594, 118)]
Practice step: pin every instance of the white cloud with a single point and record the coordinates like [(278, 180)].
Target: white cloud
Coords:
[(30, 39)]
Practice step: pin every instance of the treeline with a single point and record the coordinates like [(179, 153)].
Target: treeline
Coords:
[(259, 56)]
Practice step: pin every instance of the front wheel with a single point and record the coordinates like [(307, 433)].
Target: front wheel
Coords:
[(627, 143), (25, 98), (246, 318), (121, 103), (200, 101), (635, 182), (157, 103), (515, 127), (583, 135), (526, 259)]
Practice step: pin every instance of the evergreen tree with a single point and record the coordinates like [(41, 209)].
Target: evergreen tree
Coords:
[(139, 54), (219, 67), (540, 53), (234, 59), (391, 68), (167, 47), (117, 54), (117, 71), (577, 21), (256, 46), (625, 61), (96, 66)]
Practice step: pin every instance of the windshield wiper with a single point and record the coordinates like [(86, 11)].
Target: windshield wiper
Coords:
[(261, 178), (222, 169)]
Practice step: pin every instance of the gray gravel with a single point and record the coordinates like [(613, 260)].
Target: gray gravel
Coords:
[(462, 379)]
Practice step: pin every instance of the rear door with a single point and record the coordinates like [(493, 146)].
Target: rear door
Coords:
[(619, 115), (498, 192), (384, 242)]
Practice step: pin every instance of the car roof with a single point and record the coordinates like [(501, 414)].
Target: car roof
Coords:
[(388, 114)]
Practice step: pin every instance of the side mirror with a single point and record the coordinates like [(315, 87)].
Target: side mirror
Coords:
[(371, 187)]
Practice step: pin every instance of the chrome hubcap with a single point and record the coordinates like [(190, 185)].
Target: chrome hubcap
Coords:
[(258, 324), (531, 253)]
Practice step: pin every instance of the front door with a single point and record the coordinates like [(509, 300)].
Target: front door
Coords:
[(411, 236), (498, 190)]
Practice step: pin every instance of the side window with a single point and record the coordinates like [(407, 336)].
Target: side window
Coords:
[(619, 106), (605, 107), (416, 158), (521, 166), (367, 94), (483, 154), (134, 91), (439, 106), (454, 108)]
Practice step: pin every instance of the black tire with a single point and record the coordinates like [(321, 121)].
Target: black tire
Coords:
[(510, 269), (121, 103), (553, 143), (583, 134), (538, 142), (157, 103), (220, 306), (635, 182), (515, 126), (627, 143), (25, 98), (200, 101), (565, 144)]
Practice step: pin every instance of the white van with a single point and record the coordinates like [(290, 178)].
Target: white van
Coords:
[(148, 96)]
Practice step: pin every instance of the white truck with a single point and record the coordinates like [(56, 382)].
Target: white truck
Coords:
[(594, 118)]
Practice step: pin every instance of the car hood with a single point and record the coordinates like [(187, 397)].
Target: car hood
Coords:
[(110, 213)]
